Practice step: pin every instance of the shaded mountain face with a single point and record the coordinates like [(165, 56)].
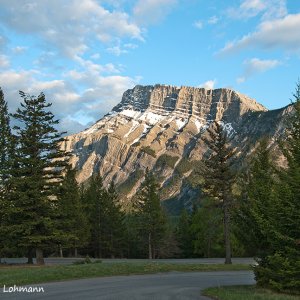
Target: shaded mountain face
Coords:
[(160, 127)]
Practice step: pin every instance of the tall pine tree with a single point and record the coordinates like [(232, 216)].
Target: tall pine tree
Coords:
[(5, 142), (74, 228), (115, 232), (184, 234), (152, 217), (94, 201), (40, 163), (281, 268), (253, 214), (219, 176), (272, 213), (5, 168)]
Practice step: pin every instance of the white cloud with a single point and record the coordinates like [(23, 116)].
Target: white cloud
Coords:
[(148, 12), (4, 61), (19, 49), (280, 33), (116, 50), (268, 9), (198, 24), (130, 46), (240, 79), (99, 96), (255, 65), (210, 84), (213, 20), (67, 25)]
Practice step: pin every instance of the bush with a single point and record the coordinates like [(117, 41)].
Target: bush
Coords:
[(280, 272)]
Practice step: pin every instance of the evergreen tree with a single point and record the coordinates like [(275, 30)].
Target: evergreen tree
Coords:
[(272, 214), (5, 142), (184, 234), (253, 213), (114, 223), (74, 229), (5, 167), (36, 176), (94, 201), (281, 268), (207, 230), (219, 176), (152, 217)]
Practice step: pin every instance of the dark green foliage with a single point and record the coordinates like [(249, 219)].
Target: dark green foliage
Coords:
[(254, 210), (5, 142), (149, 151), (208, 230), (134, 241), (152, 218), (219, 176), (6, 152), (36, 176), (105, 219), (114, 241), (73, 228), (169, 247), (94, 200), (184, 234), (166, 160), (280, 270), (271, 212)]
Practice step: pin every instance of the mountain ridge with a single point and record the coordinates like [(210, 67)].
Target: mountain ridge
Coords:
[(163, 124)]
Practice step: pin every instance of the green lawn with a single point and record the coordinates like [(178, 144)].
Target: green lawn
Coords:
[(245, 293), (10, 275)]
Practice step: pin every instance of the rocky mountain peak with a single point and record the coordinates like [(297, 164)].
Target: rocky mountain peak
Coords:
[(160, 127), (206, 104)]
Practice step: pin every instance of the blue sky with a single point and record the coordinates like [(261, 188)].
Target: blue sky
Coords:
[(83, 54)]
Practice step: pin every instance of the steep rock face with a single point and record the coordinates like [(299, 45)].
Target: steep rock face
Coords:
[(159, 127)]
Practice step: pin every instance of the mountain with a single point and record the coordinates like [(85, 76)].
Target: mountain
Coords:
[(159, 127)]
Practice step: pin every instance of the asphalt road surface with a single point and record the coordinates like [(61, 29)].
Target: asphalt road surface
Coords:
[(163, 286)]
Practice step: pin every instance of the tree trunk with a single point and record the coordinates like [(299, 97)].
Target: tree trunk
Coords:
[(60, 251), (150, 245), (227, 234), (76, 252), (30, 257), (39, 256)]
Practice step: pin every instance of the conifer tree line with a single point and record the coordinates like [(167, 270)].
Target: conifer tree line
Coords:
[(250, 212), (43, 210)]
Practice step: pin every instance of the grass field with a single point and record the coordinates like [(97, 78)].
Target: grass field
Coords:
[(245, 293), (20, 275)]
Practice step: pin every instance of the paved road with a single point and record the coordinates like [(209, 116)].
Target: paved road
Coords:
[(163, 286), (65, 261)]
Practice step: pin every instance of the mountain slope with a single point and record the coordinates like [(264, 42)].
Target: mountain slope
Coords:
[(159, 127)]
